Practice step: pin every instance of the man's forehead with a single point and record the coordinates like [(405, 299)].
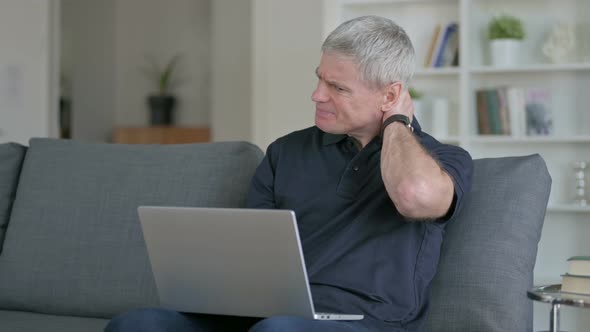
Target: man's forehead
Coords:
[(337, 68)]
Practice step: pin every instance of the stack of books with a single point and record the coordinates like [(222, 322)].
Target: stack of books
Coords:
[(577, 279), (514, 111), (444, 46)]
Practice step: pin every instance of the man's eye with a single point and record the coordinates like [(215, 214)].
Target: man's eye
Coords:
[(340, 89)]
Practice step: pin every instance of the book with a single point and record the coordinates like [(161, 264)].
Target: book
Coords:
[(493, 108), (503, 111), (539, 120), (452, 57), (437, 44), (445, 51), (579, 265), (494, 111), (435, 37), (575, 284), (450, 48), (456, 60), (517, 110), (483, 125)]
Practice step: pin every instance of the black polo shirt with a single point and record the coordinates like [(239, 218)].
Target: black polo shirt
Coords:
[(361, 255)]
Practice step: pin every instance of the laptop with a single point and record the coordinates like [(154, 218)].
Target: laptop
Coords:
[(237, 262)]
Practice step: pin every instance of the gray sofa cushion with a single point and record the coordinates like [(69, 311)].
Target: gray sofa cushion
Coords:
[(74, 243), (11, 158), (489, 250), (31, 322)]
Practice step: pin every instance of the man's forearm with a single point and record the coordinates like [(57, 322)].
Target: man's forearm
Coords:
[(417, 185)]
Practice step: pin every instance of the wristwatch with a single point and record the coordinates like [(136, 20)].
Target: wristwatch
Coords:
[(396, 118)]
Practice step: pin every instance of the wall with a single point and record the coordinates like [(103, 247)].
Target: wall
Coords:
[(231, 88), (162, 29), (287, 41), (28, 97), (88, 66), (281, 68)]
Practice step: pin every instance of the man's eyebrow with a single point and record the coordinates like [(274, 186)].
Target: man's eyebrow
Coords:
[(331, 82), (317, 72)]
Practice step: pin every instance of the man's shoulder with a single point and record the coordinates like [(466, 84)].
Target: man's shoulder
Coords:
[(431, 144), (300, 137)]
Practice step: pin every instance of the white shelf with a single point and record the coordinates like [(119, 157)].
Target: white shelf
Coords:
[(568, 208), (449, 140), (540, 68), (443, 71), (530, 139), (393, 2)]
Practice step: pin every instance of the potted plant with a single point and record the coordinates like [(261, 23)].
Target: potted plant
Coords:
[(162, 102), (505, 33)]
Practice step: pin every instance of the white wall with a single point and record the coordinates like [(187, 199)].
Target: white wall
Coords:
[(231, 88), (28, 97), (88, 65), (162, 29), (287, 42), (105, 45), (285, 35)]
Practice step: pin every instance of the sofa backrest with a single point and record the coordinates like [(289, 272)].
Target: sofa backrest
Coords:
[(489, 249), (11, 158), (73, 244)]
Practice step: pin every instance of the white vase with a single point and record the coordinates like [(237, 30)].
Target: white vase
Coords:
[(440, 118), (420, 113), (505, 52)]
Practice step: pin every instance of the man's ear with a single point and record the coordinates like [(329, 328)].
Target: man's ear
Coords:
[(391, 96)]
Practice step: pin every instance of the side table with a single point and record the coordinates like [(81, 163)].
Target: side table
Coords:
[(161, 135), (553, 294)]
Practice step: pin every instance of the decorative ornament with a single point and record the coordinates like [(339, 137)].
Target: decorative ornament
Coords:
[(560, 42)]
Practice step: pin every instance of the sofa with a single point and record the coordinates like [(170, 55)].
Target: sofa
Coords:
[(72, 254)]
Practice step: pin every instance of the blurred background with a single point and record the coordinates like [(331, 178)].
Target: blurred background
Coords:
[(498, 78)]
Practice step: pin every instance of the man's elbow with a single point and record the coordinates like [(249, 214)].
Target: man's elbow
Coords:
[(419, 199)]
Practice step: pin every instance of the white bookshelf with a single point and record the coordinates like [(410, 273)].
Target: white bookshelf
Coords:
[(567, 226), (500, 139), (566, 208), (536, 68), (426, 72)]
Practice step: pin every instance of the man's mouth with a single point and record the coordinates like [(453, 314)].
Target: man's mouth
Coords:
[(323, 113)]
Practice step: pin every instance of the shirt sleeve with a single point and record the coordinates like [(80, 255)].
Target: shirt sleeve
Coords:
[(457, 163), (261, 193)]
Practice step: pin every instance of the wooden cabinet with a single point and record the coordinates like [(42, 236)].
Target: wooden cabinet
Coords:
[(161, 135)]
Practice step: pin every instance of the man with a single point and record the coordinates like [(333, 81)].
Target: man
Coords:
[(371, 191)]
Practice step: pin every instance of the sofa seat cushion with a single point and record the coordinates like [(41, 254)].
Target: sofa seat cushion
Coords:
[(489, 250), (11, 158), (31, 322), (74, 244)]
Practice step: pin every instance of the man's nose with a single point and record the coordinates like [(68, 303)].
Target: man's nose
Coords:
[(320, 94)]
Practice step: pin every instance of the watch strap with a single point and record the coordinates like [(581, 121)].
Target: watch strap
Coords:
[(396, 118)]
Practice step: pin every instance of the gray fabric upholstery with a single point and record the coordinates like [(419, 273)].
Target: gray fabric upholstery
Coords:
[(74, 244), (18, 321), (489, 250), (11, 157)]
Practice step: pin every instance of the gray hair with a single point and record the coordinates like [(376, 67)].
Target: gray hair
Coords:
[(381, 48)]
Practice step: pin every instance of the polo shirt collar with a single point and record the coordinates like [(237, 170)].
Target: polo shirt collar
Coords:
[(328, 138), (332, 138)]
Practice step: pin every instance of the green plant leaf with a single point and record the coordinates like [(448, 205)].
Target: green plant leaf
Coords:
[(415, 94), (166, 76), (505, 27), (163, 78)]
